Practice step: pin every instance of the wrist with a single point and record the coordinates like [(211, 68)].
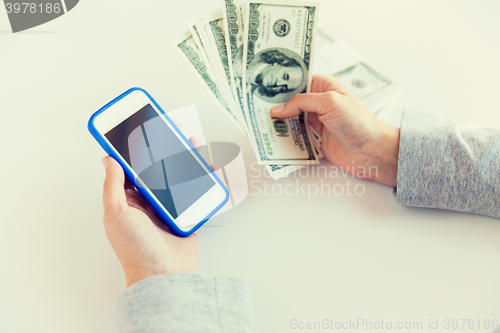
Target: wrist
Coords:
[(384, 156), (133, 276)]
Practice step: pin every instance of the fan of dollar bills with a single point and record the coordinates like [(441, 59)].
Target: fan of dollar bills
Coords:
[(253, 55)]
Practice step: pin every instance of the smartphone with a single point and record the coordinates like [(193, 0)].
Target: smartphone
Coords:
[(158, 159)]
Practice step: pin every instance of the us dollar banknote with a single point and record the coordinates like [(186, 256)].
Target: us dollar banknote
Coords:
[(336, 58), (282, 171), (201, 37), (215, 24), (362, 80), (277, 58), (215, 28), (189, 51), (234, 18)]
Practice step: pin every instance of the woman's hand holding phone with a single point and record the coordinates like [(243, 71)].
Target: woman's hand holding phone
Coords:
[(143, 248)]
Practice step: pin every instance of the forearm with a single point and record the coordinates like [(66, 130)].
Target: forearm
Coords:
[(448, 165), (184, 303)]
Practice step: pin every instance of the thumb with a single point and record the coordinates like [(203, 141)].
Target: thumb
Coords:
[(113, 197), (319, 103)]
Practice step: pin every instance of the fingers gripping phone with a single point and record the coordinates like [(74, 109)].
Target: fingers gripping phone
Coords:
[(158, 159)]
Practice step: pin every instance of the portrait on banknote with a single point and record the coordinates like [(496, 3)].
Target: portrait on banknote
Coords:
[(277, 74)]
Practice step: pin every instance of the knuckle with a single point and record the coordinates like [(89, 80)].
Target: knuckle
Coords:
[(330, 102), (331, 95), (297, 98), (295, 102)]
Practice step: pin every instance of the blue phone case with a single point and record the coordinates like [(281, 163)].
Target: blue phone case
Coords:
[(160, 210)]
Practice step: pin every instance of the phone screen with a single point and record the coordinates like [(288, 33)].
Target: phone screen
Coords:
[(163, 163)]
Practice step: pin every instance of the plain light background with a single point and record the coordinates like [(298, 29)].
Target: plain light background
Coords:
[(327, 257)]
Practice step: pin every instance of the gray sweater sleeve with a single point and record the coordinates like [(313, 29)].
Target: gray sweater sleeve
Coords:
[(448, 165), (184, 303)]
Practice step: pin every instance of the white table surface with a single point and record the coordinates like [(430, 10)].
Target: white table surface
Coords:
[(331, 257)]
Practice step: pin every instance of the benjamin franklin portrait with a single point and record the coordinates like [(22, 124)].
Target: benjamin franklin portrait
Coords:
[(275, 75)]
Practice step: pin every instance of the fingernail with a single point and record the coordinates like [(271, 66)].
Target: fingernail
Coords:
[(105, 162), (278, 108)]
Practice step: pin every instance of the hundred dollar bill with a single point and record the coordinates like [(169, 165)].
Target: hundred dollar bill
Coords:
[(200, 35), (195, 33), (362, 80), (202, 32), (278, 53), (315, 135), (281, 171), (323, 39), (234, 19), (214, 24), (338, 59), (186, 46)]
